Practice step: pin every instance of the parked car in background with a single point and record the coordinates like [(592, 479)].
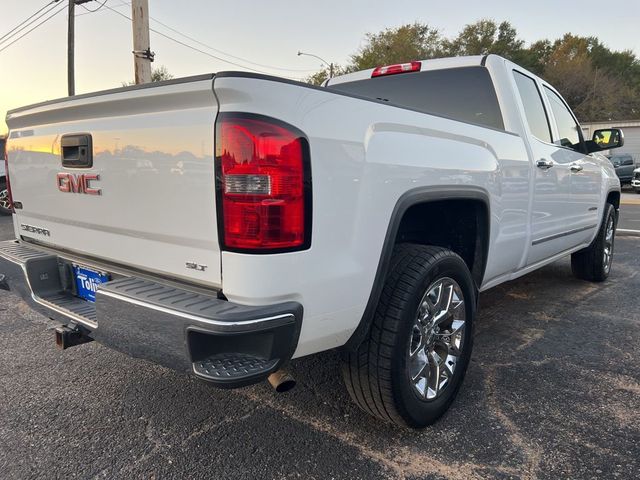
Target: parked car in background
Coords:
[(635, 182), (624, 165), (5, 203)]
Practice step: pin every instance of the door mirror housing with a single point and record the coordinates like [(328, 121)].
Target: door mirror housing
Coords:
[(605, 139)]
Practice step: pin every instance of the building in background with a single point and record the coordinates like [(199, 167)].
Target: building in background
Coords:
[(631, 129)]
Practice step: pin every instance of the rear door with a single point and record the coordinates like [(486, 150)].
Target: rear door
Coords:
[(146, 196), (552, 210)]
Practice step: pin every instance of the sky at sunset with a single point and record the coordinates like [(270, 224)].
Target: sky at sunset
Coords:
[(261, 35)]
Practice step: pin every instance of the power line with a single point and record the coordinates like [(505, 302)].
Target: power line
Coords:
[(229, 54), (95, 9), (191, 46), (26, 22), (99, 9), (32, 29), (270, 67)]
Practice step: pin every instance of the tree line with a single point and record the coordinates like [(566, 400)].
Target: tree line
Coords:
[(599, 84)]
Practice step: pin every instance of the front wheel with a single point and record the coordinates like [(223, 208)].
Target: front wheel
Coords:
[(594, 262), (5, 203), (410, 367)]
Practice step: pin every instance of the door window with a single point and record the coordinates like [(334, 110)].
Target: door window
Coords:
[(533, 107), (568, 128)]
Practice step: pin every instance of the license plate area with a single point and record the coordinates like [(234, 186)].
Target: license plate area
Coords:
[(87, 281)]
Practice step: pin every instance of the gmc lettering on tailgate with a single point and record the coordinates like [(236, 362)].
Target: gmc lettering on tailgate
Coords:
[(78, 183)]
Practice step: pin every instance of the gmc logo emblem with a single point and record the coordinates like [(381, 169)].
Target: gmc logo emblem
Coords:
[(78, 183)]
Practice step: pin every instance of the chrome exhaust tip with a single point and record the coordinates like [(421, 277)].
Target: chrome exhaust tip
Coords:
[(282, 381)]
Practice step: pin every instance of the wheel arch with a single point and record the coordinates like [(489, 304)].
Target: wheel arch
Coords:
[(613, 197), (427, 196)]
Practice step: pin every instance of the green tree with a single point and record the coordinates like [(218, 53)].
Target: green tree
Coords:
[(157, 75), (593, 91), (484, 37), (474, 39), (393, 45), (419, 41), (622, 64), (598, 83), (536, 56), (319, 77), (397, 45), (160, 74)]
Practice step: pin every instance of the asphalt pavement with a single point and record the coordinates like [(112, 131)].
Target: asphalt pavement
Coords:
[(630, 212), (553, 391)]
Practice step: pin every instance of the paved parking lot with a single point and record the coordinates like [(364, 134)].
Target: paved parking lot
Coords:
[(629, 210), (553, 391)]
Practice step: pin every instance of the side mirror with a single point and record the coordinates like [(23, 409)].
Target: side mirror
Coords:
[(606, 139)]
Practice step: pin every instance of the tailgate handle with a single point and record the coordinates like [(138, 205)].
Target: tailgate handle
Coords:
[(77, 150)]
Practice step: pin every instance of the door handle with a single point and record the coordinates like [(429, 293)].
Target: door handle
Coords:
[(576, 167), (545, 164)]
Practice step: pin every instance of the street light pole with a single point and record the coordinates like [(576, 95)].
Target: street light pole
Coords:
[(330, 65)]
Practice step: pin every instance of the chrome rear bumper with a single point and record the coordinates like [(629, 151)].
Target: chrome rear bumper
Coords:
[(225, 343)]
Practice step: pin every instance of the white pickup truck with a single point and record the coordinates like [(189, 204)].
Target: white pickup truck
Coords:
[(225, 224)]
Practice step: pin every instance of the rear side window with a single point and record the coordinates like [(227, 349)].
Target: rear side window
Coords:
[(466, 94), (533, 107)]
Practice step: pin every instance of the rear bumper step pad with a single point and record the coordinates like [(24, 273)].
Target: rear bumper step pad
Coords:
[(227, 344)]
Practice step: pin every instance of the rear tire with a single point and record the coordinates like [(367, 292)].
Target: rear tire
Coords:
[(594, 262), (410, 366), (5, 205)]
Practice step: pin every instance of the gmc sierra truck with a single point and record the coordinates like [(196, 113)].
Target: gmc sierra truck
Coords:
[(224, 224)]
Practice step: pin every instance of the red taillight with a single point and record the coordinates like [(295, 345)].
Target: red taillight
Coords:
[(6, 173), (263, 184), (397, 68)]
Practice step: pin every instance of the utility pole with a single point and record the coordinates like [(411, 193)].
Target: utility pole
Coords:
[(71, 74), (71, 40), (142, 54)]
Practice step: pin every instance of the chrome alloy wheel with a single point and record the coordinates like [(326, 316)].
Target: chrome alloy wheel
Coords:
[(437, 338), (608, 245), (4, 199)]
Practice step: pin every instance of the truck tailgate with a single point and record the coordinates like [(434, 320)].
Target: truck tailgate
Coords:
[(148, 199)]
